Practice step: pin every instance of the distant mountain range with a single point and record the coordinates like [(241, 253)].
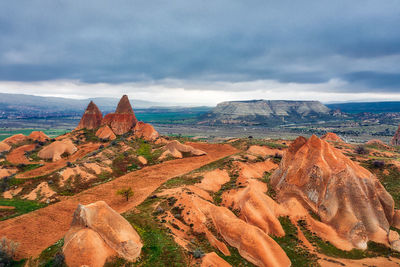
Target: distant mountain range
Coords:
[(266, 112), (38, 106)]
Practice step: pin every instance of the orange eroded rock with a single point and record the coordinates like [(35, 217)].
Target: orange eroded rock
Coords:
[(175, 150), (38, 136), (56, 149), (213, 180), (17, 155), (252, 243), (42, 192), (331, 137), (91, 119), (256, 207), (213, 260), (105, 133), (4, 147), (15, 139), (145, 131), (123, 120), (345, 195), (7, 172), (254, 170), (104, 232)]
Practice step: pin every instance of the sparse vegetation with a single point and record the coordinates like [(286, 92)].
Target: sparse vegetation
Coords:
[(294, 248), (126, 193), (22, 206), (8, 249)]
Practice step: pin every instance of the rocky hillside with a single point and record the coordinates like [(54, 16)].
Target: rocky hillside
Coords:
[(266, 112)]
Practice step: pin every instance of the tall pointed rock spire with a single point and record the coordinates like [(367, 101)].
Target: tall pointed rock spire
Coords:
[(92, 117), (123, 119)]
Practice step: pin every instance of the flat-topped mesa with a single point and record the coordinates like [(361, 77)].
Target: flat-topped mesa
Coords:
[(396, 138), (123, 119), (92, 117), (345, 195)]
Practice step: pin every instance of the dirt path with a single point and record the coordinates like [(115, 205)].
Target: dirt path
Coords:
[(38, 230), (17, 156), (50, 167)]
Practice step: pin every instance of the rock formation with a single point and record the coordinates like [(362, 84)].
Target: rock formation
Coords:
[(92, 117), (266, 112), (396, 138), (38, 136), (145, 131), (56, 149), (175, 150), (4, 147), (378, 143), (213, 260), (124, 119), (105, 133), (345, 195), (15, 139), (98, 232), (331, 137)]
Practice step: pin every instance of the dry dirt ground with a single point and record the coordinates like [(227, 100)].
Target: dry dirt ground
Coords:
[(38, 230)]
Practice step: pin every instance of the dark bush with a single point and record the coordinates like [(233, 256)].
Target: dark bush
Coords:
[(378, 164), (361, 150)]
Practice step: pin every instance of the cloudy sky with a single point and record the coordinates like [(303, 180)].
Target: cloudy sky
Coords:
[(202, 52)]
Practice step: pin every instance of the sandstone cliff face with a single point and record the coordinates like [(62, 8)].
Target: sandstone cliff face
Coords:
[(92, 117), (266, 111), (345, 195), (331, 137), (98, 232), (396, 138), (105, 133), (123, 120)]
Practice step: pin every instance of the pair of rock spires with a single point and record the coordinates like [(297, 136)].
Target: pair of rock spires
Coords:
[(120, 122)]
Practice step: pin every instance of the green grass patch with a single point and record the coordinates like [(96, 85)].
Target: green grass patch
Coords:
[(28, 167), (22, 206), (293, 247), (159, 248), (52, 256)]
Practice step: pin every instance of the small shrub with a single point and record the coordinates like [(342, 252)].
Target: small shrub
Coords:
[(378, 164), (7, 251), (198, 254), (361, 150), (125, 192)]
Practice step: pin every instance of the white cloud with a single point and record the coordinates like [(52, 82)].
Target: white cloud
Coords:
[(191, 93)]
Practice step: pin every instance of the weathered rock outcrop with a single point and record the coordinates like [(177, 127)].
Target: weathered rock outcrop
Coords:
[(145, 131), (396, 138), (92, 117), (266, 112), (38, 136), (213, 260), (175, 150), (252, 243), (124, 119), (4, 147), (98, 232), (331, 137), (105, 133), (15, 139), (56, 149), (345, 195)]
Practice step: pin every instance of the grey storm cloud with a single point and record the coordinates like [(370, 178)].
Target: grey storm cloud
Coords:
[(222, 40)]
